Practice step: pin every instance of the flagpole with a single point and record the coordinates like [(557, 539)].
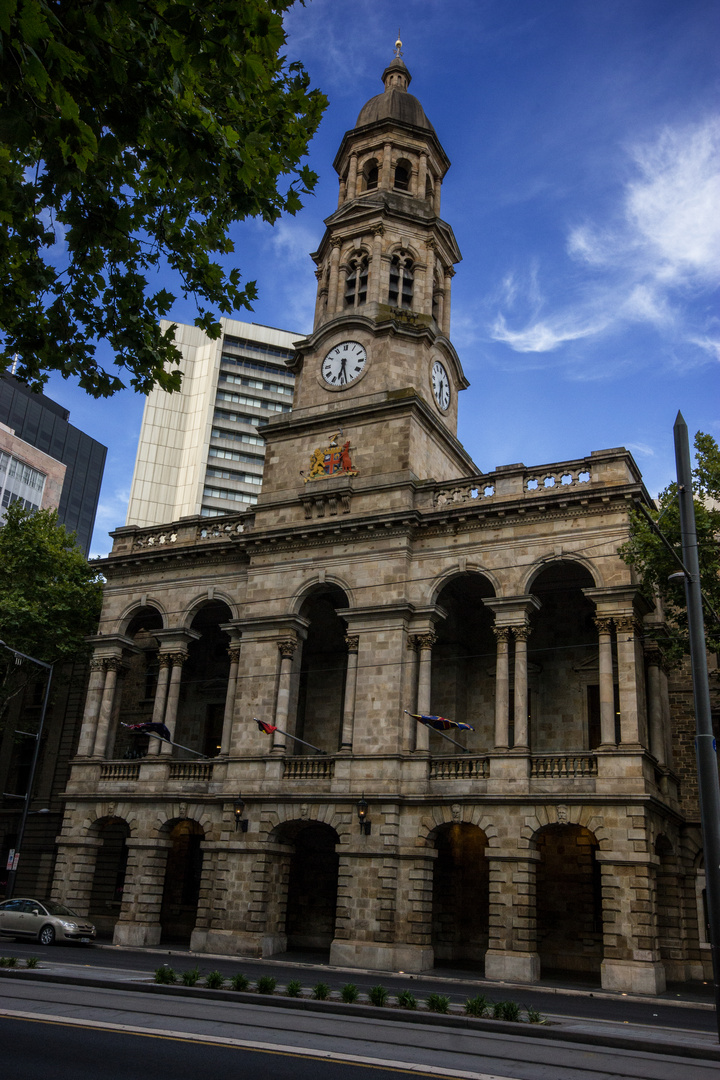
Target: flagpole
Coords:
[(289, 736), (153, 735)]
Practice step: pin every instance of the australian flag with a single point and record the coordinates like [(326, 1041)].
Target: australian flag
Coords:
[(149, 728), (439, 723)]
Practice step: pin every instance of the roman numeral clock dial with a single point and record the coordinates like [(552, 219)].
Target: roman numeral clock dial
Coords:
[(343, 364), (440, 385)]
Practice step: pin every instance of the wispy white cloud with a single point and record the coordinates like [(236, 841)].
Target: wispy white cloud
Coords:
[(640, 448), (648, 264)]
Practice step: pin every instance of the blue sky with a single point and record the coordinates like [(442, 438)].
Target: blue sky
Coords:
[(584, 194)]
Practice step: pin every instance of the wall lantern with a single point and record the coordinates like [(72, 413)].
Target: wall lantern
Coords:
[(362, 813), (241, 823)]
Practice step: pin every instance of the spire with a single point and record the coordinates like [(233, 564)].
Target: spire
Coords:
[(396, 76)]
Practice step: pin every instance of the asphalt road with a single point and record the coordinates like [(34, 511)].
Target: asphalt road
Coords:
[(69, 1032), (582, 1005)]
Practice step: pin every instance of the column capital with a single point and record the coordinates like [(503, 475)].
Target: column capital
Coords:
[(97, 663), (234, 654), (287, 647), (353, 642), (174, 659), (626, 624), (424, 641), (502, 633), (521, 633), (603, 623)]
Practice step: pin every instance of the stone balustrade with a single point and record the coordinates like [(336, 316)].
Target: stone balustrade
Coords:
[(190, 770), (120, 770), (308, 768), (563, 766), (459, 768)]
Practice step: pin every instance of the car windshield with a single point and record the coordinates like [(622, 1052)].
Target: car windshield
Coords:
[(59, 909)]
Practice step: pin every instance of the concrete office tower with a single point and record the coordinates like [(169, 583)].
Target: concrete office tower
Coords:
[(200, 452), (41, 422)]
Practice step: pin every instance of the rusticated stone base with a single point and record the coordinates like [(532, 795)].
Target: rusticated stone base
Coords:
[(136, 934), (633, 976), (512, 966), (365, 954)]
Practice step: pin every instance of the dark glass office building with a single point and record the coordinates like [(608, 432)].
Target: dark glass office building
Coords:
[(44, 424)]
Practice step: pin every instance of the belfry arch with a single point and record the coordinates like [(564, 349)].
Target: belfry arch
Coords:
[(323, 667)]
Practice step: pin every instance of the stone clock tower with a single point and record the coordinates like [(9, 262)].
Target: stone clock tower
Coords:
[(379, 371)]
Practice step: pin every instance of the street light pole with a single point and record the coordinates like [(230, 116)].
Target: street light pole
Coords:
[(705, 749), (12, 873)]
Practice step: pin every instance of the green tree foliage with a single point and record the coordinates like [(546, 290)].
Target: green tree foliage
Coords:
[(50, 596), (654, 564), (133, 133)]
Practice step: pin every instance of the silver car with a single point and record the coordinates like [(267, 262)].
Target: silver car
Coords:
[(44, 921)]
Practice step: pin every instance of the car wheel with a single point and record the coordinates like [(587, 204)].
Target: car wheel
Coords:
[(46, 935)]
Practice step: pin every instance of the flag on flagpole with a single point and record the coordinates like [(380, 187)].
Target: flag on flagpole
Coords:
[(267, 728), (149, 728), (439, 723)]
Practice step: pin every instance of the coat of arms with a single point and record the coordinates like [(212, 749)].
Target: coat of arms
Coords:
[(332, 460)]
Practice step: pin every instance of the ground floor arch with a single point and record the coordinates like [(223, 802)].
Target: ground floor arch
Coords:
[(109, 876), (460, 895), (568, 901), (312, 885), (181, 889)]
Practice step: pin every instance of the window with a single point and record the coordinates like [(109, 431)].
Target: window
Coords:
[(402, 177), (235, 436), (370, 172), (235, 455), (356, 282), (400, 293), (232, 496)]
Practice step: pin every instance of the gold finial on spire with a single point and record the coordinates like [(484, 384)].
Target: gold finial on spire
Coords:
[(398, 47)]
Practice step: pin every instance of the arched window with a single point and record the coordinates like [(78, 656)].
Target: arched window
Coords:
[(402, 176), (428, 189), (400, 293), (356, 282), (370, 172)]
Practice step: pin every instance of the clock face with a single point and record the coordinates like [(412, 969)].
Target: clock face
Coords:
[(441, 385), (344, 363)]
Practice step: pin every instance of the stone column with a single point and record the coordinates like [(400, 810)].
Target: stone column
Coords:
[(112, 665), (177, 659), (387, 181), (75, 872), (436, 200), (139, 922), (234, 654), (631, 958), (320, 291), (502, 688), (655, 709), (421, 177), (629, 674), (286, 648), (92, 707), (160, 702), (522, 737), (346, 741), (333, 283), (449, 275), (425, 644), (512, 949), (352, 177), (607, 683), (374, 292)]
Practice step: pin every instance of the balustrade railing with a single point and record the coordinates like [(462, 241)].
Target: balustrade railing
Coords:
[(459, 768), (309, 768), (191, 770), (120, 770), (558, 766)]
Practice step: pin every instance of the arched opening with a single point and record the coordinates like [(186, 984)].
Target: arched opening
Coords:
[(563, 680), (370, 174), (669, 905), (429, 193), (569, 901), (178, 912), (312, 887), (137, 684), (400, 291), (460, 903), (356, 282), (109, 876), (401, 179), (463, 663), (203, 688), (321, 690)]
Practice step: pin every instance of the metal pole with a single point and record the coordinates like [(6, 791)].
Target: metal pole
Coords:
[(12, 873), (705, 748)]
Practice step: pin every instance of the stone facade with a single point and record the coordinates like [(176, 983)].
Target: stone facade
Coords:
[(397, 579)]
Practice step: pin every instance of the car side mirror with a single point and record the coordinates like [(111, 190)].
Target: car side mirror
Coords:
[(35, 911)]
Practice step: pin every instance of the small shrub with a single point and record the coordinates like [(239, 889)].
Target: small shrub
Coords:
[(477, 1006), (8, 961), (378, 995), (533, 1016), (190, 978), (266, 984), (321, 991), (32, 961), (506, 1010), (214, 980), (406, 1000), (349, 993), (294, 988), (165, 974), (239, 982), (438, 1003)]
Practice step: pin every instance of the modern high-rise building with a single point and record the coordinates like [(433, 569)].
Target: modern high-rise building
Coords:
[(44, 424), (27, 475), (200, 452)]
